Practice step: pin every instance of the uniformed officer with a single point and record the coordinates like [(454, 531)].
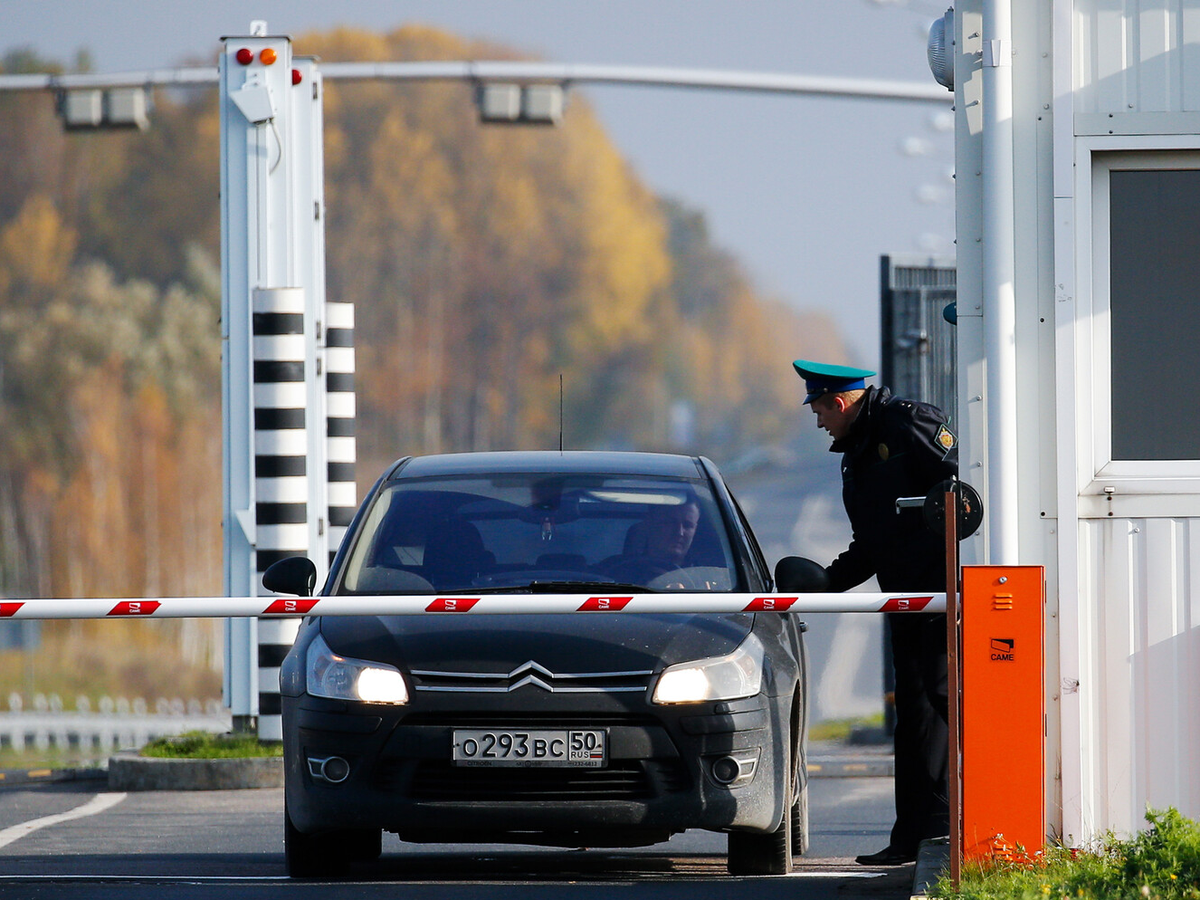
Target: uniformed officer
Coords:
[(894, 448)]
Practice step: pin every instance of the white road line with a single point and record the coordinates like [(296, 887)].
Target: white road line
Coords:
[(835, 873), (157, 879), (97, 804), (223, 879)]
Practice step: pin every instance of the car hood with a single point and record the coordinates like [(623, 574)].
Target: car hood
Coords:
[(579, 643)]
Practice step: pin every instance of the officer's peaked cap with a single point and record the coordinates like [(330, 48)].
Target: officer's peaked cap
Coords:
[(826, 378)]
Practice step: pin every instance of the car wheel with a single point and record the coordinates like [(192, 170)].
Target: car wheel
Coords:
[(800, 823), (313, 855), (764, 854)]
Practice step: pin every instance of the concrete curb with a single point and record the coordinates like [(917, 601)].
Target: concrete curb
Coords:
[(933, 857), (19, 777), (130, 772), (840, 759), (856, 766)]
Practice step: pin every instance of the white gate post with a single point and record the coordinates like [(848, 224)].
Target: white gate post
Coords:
[(308, 231), (332, 492), (307, 533), (255, 75)]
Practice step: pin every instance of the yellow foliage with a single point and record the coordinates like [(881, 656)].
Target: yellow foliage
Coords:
[(484, 263), (36, 250)]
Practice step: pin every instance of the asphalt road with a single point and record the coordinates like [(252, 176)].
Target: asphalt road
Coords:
[(75, 841)]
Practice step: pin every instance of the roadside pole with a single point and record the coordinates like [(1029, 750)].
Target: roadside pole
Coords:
[(264, 352), (953, 647)]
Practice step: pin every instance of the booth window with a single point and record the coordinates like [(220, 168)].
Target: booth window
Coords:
[(1154, 306)]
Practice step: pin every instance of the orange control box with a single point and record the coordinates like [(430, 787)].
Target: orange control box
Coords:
[(1003, 712)]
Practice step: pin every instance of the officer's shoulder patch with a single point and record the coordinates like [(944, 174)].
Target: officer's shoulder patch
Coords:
[(946, 438)]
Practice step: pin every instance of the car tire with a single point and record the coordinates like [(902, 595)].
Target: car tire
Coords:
[(765, 854), (313, 855), (800, 823)]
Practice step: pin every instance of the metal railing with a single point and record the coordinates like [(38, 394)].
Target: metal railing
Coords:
[(114, 724)]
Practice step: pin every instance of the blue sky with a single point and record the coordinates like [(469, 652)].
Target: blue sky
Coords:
[(807, 192)]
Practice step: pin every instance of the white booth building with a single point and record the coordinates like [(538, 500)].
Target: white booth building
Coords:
[(1078, 206)]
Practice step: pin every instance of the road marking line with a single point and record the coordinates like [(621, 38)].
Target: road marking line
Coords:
[(97, 804), (835, 873), (164, 879), (222, 879)]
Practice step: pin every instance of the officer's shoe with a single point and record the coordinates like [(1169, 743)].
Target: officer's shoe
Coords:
[(888, 856)]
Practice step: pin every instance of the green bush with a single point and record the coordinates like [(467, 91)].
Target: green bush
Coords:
[(203, 745), (1162, 863), (1166, 857)]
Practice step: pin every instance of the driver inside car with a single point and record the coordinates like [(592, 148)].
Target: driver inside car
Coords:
[(660, 543)]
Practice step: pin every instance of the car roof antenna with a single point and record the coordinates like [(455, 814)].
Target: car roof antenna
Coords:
[(560, 413)]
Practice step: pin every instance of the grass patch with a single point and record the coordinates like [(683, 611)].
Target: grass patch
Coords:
[(49, 758), (1160, 863), (839, 729), (203, 745)]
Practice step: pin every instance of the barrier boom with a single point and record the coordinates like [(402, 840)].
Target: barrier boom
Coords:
[(477, 604)]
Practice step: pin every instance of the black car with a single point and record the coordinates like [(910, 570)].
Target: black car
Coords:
[(581, 730)]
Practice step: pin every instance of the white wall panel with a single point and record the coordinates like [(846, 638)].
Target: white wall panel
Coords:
[(1145, 722), (1133, 56), (1157, 35), (1190, 59)]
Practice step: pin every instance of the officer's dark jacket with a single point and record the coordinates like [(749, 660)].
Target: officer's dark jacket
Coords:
[(895, 448)]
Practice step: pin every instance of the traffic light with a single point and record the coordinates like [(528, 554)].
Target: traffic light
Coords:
[(521, 104), (93, 109)]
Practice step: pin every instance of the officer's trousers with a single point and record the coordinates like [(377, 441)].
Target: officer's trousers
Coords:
[(922, 732)]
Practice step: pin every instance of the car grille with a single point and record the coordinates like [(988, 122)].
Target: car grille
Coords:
[(530, 673), (440, 781), (523, 719)]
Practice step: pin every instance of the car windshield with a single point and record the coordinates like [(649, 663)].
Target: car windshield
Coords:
[(561, 532)]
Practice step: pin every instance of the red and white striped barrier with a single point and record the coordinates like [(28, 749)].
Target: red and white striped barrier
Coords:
[(485, 604)]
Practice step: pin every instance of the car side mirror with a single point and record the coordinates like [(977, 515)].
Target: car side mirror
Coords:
[(795, 574), (293, 575)]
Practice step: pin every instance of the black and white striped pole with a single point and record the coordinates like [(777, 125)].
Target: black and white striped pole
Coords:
[(340, 412), (281, 483)]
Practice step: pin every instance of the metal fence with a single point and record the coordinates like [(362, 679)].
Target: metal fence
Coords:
[(918, 355), (114, 724)]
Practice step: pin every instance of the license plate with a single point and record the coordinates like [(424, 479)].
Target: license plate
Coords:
[(584, 748)]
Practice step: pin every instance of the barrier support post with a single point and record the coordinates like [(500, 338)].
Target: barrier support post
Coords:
[(1003, 713), (954, 697)]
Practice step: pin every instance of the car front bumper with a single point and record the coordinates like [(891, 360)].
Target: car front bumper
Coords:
[(659, 778)]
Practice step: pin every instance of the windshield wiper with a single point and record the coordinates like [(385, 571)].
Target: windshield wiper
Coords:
[(605, 588), (577, 587)]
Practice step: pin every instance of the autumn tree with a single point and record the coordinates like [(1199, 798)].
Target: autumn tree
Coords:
[(485, 264)]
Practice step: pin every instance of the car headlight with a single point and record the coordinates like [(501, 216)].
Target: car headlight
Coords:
[(721, 678), (339, 678)]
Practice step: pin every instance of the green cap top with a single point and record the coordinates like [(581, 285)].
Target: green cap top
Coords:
[(826, 378)]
